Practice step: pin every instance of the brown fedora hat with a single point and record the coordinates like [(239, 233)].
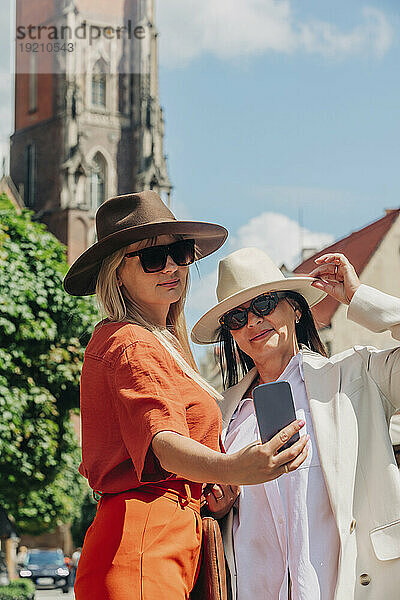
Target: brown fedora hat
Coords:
[(123, 220)]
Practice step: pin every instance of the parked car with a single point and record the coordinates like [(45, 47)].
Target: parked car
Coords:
[(47, 569)]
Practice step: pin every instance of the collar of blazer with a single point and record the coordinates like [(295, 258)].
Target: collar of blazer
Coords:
[(335, 430)]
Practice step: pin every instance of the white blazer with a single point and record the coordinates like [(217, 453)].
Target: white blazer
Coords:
[(352, 396)]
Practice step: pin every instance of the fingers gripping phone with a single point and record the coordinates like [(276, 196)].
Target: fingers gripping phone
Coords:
[(274, 406)]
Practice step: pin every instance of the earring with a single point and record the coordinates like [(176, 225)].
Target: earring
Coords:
[(297, 319)]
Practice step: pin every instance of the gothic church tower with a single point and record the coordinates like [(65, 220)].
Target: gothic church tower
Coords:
[(88, 122)]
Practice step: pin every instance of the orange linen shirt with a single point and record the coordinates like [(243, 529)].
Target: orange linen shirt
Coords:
[(131, 389)]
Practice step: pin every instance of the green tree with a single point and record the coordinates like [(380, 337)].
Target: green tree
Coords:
[(43, 333)]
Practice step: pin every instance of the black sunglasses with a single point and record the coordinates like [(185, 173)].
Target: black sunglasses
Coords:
[(154, 258), (261, 306)]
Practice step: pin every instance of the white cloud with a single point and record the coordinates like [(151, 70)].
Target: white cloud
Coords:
[(280, 237), (373, 35), (233, 28)]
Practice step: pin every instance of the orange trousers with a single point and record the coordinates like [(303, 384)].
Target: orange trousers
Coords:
[(143, 544)]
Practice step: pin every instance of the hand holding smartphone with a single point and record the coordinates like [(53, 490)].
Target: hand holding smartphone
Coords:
[(274, 406)]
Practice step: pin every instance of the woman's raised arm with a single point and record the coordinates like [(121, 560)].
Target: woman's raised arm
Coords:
[(370, 308), (379, 312)]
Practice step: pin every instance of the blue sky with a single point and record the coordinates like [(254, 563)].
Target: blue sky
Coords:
[(277, 112), (291, 108)]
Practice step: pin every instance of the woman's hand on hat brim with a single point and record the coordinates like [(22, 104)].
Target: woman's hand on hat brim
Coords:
[(336, 276)]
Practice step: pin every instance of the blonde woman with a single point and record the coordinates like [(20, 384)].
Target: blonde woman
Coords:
[(150, 424)]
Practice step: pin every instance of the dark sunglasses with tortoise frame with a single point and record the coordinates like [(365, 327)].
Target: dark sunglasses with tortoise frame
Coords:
[(262, 305)]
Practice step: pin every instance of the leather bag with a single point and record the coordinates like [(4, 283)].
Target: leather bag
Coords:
[(211, 580)]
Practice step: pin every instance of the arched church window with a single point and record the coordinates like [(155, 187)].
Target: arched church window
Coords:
[(97, 181), (80, 186), (154, 183), (99, 84)]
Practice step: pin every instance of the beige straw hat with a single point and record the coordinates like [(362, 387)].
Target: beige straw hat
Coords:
[(243, 275)]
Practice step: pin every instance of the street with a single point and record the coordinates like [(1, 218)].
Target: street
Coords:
[(53, 595)]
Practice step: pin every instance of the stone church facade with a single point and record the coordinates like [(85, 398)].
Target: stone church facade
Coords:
[(92, 129)]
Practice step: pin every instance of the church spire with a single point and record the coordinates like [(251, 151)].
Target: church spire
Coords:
[(152, 170)]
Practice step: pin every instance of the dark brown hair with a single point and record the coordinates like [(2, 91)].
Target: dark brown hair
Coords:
[(236, 363)]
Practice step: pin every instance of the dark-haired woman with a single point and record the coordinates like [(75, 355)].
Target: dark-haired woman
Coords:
[(331, 529)]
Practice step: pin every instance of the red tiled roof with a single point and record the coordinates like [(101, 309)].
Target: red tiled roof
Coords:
[(359, 247)]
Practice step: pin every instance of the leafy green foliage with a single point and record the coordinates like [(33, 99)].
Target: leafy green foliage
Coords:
[(5, 203), (18, 590), (43, 333)]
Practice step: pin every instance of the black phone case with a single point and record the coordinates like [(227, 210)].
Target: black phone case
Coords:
[(274, 406)]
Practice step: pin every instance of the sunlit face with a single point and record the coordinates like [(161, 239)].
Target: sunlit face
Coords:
[(153, 293), (264, 337)]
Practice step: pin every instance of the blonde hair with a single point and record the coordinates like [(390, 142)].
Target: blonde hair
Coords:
[(117, 307)]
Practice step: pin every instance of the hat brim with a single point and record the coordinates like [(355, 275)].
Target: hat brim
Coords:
[(82, 276), (207, 327)]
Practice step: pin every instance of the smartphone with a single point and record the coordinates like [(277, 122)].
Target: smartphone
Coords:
[(274, 406)]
